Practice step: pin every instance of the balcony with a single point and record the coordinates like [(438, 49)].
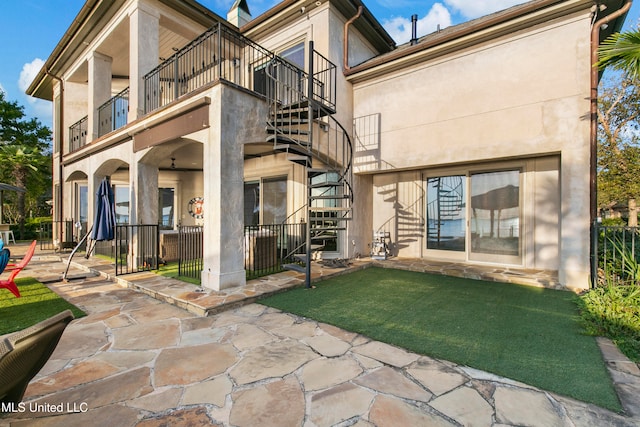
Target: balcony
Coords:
[(113, 114), (78, 134), (219, 53)]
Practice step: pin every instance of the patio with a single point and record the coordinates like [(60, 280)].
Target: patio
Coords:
[(135, 360)]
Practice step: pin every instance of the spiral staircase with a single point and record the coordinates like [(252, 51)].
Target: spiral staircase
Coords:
[(301, 123)]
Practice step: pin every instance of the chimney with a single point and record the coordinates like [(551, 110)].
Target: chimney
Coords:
[(414, 28), (239, 13)]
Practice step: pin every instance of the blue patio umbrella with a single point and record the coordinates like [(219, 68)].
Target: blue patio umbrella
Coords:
[(104, 222)]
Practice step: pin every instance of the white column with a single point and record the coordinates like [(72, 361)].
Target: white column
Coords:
[(99, 90), (575, 228), (143, 54)]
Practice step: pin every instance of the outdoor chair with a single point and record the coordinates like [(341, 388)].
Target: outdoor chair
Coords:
[(24, 353), (15, 269)]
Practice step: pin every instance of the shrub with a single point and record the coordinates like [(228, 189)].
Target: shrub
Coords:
[(613, 310)]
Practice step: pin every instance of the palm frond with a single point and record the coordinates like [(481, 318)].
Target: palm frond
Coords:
[(621, 51)]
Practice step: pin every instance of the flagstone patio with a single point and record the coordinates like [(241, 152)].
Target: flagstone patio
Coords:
[(139, 361)]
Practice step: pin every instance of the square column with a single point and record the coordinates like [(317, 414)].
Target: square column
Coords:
[(223, 164), (99, 90), (144, 30)]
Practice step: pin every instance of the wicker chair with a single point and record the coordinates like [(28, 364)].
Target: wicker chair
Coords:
[(24, 353)]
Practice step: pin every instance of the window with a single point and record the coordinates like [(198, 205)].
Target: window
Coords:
[(295, 55), (82, 203), (121, 193), (482, 223), (446, 214), (265, 201), (321, 186), (495, 214), (166, 197)]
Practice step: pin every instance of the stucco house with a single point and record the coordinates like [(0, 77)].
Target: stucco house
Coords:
[(473, 144)]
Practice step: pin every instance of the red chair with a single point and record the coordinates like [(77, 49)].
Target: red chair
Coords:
[(17, 268)]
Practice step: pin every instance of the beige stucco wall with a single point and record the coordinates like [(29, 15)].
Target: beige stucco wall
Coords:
[(522, 96)]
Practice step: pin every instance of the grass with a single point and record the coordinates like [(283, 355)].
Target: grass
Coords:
[(528, 334), (171, 270), (36, 304)]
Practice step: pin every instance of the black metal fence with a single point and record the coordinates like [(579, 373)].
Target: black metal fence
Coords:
[(60, 235), (190, 247), (78, 134), (145, 238), (268, 247), (219, 53), (616, 250), (113, 114)]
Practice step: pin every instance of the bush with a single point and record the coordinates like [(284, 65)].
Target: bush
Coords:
[(613, 311)]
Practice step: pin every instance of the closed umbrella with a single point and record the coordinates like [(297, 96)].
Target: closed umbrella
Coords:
[(104, 222)]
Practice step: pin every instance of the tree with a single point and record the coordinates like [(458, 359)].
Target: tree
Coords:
[(25, 155), (618, 143), (621, 51)]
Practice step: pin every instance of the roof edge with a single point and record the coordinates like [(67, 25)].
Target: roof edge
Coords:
[(468, 29)]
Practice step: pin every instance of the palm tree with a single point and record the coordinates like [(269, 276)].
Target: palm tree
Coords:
[(621, 51), (22, 161)]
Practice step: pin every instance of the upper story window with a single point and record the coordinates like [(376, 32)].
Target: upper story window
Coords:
[(294, 54)]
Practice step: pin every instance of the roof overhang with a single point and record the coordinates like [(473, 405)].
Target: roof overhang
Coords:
[(478, 31), (87, 24)]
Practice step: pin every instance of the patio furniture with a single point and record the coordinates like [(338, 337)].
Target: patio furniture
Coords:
[(7, 234), (261, 250), (17, 268), (24, 353)]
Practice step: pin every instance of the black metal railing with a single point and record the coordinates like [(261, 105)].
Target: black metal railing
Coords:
[(146, 239), (78, 134), (190, 251), (617, 251), (268, 247), (114, 113), (59, 235), (324, 81), (219, 53)]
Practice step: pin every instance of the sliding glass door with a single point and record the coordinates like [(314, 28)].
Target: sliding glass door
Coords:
[(495, 216), (482, 223)]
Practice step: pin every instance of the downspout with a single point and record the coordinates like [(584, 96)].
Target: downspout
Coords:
[(345, 48), (60, 124), (593, 185)]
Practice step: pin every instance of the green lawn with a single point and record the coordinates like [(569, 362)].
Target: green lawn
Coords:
[(171, 270), (528, 334), (36, 304)]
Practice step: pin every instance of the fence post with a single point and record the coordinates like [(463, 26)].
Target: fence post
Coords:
[(594, 254)]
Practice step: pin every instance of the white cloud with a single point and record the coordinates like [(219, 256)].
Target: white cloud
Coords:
[(37, 107), (400, 28), (477, 8), (29, 72)]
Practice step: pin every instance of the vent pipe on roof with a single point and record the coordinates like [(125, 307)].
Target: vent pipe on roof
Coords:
[(414, 29)]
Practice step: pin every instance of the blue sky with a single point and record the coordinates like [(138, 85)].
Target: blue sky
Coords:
[(30, 29)]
